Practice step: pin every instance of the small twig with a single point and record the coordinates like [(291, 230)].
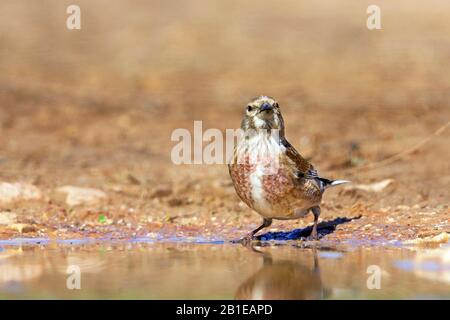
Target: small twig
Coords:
[(400, 155)]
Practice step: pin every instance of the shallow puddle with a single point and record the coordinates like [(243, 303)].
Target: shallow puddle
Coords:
[(220, 271)]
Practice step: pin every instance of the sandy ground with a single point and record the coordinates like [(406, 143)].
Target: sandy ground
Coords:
[(96, 108)]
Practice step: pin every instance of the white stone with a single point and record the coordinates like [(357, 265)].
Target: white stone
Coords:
[(372, 187), (77, 196), (7, 218), (18, 191)]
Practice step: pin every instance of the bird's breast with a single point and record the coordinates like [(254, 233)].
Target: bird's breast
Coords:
[(265, 181)]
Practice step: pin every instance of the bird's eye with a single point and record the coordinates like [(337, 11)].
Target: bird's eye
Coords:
[(275, 105), (249, 108)]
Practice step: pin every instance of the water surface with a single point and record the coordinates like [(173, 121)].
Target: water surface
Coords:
[(175, 270)]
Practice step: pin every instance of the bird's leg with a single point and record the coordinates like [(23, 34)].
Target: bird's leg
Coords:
[(266, 223), (247, 239), (316, 212)]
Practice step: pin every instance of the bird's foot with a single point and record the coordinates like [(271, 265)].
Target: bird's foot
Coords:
[(311, 238), (314, 236), (247, 240)]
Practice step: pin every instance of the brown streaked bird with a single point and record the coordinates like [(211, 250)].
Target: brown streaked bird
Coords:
[(269, 175)]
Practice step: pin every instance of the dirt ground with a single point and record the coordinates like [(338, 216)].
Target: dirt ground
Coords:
[(96, 108)]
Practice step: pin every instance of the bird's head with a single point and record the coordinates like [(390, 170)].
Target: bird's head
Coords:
[(263, 113)]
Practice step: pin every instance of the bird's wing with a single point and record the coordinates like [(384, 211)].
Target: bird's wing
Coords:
[(304, 168)]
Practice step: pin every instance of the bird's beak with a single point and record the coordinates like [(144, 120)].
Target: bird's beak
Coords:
[(266, 107)]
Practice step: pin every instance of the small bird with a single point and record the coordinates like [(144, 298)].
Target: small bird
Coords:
[(269, 175)]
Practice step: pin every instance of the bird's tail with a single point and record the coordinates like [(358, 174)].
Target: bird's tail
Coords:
[(332, 183)]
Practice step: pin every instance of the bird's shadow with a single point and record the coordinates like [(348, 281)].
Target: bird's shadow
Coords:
[(324, 228)]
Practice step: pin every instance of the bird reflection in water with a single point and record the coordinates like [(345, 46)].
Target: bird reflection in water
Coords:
[(283, 280)]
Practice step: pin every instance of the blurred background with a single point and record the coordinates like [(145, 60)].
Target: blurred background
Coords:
[(96, 107)]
